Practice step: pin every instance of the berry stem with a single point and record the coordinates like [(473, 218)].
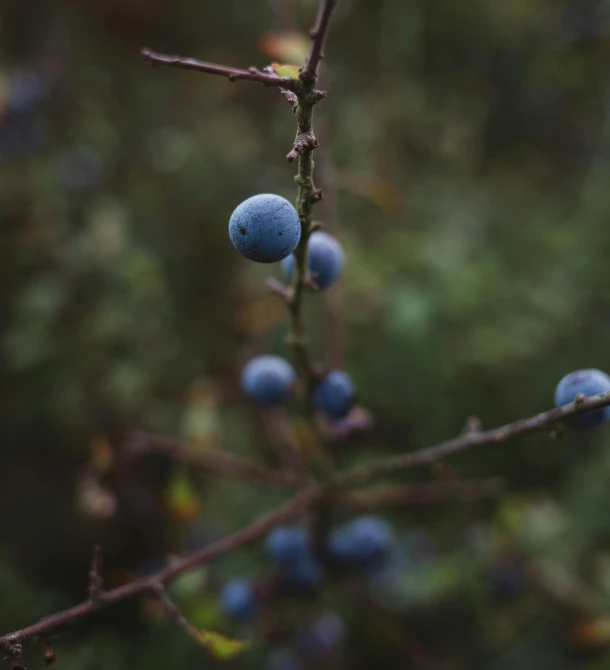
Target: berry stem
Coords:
[(307, 194)]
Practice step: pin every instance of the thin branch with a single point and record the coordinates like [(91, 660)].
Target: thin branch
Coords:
[(286, 512), (173, 611), (277, 288), (367, 473), (232, 74), (218, 462), (428, 493), (318, 35)]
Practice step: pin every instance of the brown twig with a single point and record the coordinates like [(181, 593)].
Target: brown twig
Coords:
[(286, 512), (291, 98), (300, 503), (318, 35), (428, 493), (367, 473), (173, 611), (218, 462), (232, 74), (277, 288)]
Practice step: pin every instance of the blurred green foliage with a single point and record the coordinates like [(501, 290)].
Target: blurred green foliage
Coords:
[(468, 147)]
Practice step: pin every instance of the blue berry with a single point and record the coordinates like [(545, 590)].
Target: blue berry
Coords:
[(324, 259), (290, 548), (322, 636), (268, 380), (265, 228), (588, 382), (287, 543), (303, 573), (335, 395), (239, 600), (364, 542), (283, 659)]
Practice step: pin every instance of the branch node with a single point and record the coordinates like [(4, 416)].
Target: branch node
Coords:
[(316, 195), (304, 142), (291, 97), (579, 399)]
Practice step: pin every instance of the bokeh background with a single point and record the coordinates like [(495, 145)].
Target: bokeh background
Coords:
[(466, 158)]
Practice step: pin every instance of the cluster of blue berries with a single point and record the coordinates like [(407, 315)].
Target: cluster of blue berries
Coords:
[(266, 228), (588, 382), (290, 549), (270, 380), (363, 544)]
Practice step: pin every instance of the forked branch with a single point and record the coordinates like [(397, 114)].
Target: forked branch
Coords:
[(246, 535), (299, 504)]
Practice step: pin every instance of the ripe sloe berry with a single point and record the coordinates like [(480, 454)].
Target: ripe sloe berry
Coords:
[(290, 548), (268, 380), (265, 228), (335, 395), (239, 600), (324, 259), (364, 542), (588, 382)]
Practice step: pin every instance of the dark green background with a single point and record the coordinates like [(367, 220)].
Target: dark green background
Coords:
[(466, 150)]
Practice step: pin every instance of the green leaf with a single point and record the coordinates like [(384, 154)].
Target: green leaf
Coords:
[(221, 647), (182, 496), (291, 71)]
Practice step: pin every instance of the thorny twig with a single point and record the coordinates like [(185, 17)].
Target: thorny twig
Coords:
[(173, 611), (253, 531), (232, 74), (473, 438), (318, 35)]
